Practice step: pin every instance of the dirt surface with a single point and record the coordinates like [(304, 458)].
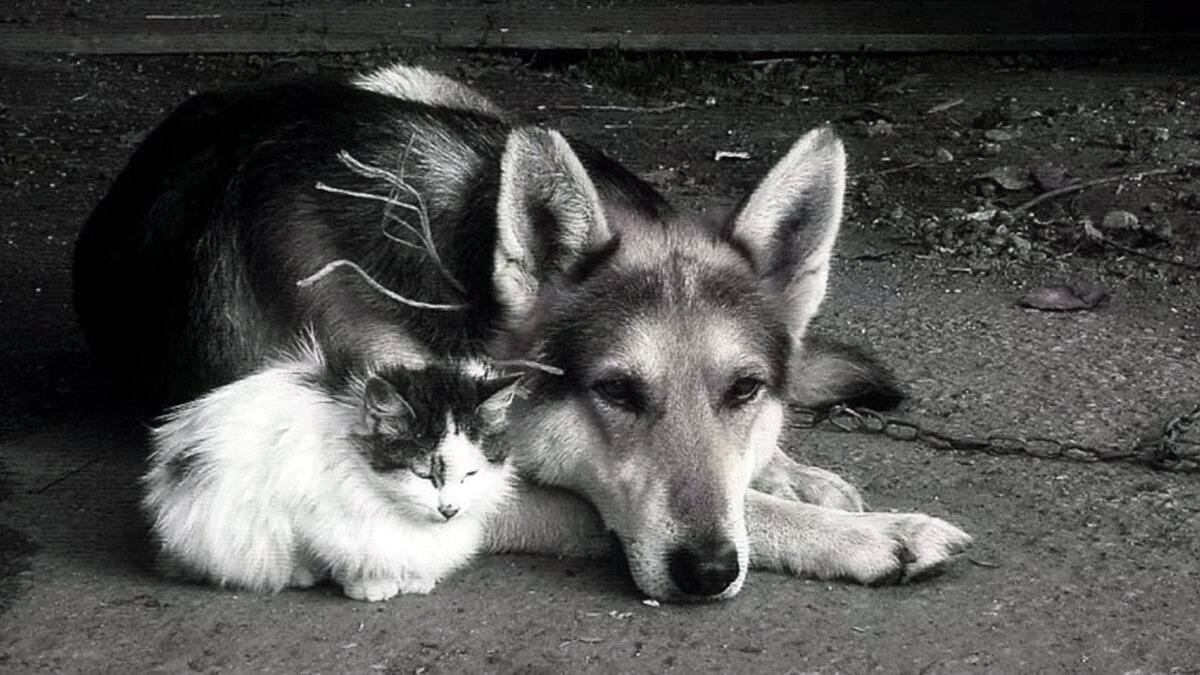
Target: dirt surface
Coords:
[(1078, 567)]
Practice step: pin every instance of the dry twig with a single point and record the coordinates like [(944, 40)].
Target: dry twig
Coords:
[(1091, 231), (324, 271), (400, 187), (630, 109), (1076, 187)]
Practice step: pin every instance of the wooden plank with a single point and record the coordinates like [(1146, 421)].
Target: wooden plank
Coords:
[(873, 25)]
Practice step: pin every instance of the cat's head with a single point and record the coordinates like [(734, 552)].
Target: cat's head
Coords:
[(438, 430)]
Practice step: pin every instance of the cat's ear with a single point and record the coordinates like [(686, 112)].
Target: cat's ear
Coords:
[(494, 385), (497, 394), (384, 410)]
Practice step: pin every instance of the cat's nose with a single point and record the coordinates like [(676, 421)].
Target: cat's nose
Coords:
[(447, 510)]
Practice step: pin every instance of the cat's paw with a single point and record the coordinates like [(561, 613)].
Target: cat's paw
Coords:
[(421, 586), (371, 590), (302, 577)]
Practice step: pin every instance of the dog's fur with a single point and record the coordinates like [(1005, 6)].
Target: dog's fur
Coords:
[(680, 344)]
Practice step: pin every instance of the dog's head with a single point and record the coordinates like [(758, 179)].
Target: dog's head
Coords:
[(674, 339)]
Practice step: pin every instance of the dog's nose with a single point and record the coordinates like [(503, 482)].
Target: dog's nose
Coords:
[(704, 570), (447, 510)]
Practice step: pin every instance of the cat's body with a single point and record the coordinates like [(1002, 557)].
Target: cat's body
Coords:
[(304, 470)]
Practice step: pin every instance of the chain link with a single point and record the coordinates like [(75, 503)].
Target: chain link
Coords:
[(1166, 451)]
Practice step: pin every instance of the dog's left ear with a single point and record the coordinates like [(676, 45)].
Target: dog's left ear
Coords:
[(548, 217), (790, 221)]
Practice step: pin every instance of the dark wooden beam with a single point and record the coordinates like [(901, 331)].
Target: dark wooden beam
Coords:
[(815, 26)]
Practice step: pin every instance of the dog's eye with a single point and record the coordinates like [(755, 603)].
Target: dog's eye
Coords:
[(622, 392), (743, 391)]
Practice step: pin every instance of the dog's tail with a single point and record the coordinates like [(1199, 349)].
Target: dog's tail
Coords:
[(830, 372)]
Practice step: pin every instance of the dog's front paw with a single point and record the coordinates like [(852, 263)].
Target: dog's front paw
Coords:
[(871, 548), (785, 478), (886, 548), (371, 590)]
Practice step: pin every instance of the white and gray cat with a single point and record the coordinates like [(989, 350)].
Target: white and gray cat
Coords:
[(306, 470)]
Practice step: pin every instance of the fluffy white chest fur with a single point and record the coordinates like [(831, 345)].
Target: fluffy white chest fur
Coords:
[(265, 483)]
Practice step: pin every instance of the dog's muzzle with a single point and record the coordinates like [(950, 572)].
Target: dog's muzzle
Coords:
[(704, 570)]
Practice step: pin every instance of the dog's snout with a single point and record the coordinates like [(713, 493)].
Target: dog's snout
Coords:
[(704, 570)]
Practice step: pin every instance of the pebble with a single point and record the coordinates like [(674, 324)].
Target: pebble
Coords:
[(989, 149), (1158, 134), (943, 155), (1022, 245), (1119, 220), (1160, 229), (997, 135)]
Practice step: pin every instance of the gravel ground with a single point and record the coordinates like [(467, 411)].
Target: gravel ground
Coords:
[(1078, 567)]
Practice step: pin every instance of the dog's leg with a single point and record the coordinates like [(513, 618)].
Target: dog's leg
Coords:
[(825, 373), (870, 548), (547, 521), (785, 477)]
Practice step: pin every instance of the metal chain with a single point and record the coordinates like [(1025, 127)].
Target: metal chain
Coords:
[(1164, 452)]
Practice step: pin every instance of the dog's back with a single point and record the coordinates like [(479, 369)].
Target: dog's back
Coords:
[(185, 273)]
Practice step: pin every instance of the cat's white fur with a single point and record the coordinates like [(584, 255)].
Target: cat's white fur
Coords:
[(258, 485)]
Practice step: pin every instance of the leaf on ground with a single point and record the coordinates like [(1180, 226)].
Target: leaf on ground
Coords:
[(1062, 298), (1010, 178), (1050, 176)]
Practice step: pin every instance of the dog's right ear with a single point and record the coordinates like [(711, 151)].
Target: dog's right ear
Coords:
[(549, 217)]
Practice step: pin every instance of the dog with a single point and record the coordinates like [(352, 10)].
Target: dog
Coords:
[(401, 217)]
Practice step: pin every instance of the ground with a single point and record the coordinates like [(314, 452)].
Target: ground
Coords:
[(1078, 567)]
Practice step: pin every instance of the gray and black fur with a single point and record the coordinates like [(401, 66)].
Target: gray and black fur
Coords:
[(675, 345), (185, 273), (408, 413)]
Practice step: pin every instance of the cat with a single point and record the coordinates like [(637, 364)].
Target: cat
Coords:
[(310, 468)]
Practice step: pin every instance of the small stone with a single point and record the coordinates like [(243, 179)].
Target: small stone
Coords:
[(997, 135), (989, 149), (1022, 245), (1160, 229), (1155, 207), (1188, 199), (1157, 134), (943, 155), (1119, 220), (897, 213), (1050, 176)]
